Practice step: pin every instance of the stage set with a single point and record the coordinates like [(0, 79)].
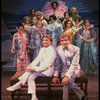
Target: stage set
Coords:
[(13, 13)]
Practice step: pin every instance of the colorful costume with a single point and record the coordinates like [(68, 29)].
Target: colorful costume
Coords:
[(35, 42), (55, 29), (19, 47), (58, 12), (89, 54)]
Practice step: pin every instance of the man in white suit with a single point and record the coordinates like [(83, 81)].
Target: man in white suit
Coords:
[(43, 65), (67, 63)]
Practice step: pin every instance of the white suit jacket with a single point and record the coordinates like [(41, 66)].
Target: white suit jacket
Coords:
[(44, 62), (70, 59)]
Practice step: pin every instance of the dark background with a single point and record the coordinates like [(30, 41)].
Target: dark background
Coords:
[(86, 8)]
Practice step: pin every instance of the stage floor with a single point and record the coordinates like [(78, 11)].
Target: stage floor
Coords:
[(93, 88)]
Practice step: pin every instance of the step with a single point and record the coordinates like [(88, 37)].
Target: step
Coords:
[(12, 22), (11, 26), (9, 67)]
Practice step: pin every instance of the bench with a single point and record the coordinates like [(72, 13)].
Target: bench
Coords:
[(45, 85)]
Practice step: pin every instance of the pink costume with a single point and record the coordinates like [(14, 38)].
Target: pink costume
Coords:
[(58, 12), (19, 47)]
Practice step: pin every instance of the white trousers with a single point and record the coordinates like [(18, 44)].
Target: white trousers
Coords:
[(72, 85), (30, 77)]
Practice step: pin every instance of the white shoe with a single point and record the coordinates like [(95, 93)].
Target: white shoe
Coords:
[(13, 88)]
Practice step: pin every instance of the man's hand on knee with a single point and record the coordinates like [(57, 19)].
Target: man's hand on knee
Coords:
[(30, 69), (55, 80), (65, 80)]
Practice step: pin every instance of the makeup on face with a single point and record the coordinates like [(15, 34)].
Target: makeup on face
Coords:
[(46, 42)]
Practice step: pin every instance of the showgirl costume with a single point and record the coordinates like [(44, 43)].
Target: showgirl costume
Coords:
[(58, 12)]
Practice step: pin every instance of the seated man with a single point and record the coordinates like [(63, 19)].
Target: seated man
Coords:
[(43, 65), (68, 62)]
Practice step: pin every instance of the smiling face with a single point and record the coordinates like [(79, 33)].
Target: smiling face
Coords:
[(74, 10), (87, 23), (39, 24), (68, 24), (77, 21), (47, 40), (54, 5), (27, 20), (64, 41), (52, 18), (66, 15), (20, 28)]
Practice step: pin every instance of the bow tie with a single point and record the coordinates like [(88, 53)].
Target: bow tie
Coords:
[(65, 48)]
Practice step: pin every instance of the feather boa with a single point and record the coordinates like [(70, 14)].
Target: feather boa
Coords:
[(59, 12)]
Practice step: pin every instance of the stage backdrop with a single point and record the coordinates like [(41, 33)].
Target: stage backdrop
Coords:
[(13, 12), (23, 6)]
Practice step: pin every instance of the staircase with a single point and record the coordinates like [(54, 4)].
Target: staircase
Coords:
[(11, 21)]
